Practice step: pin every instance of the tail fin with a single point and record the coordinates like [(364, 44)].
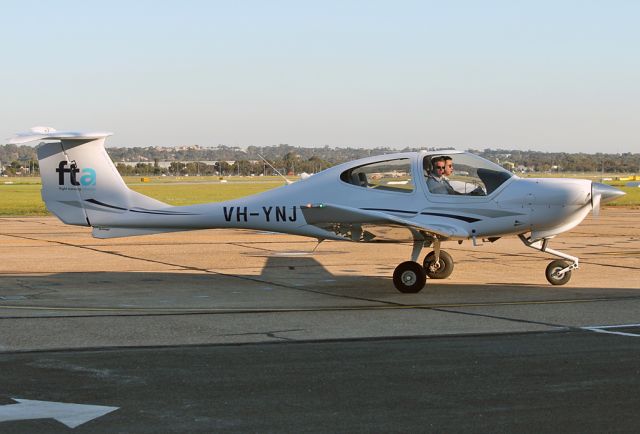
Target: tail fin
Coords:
[(80, 183)]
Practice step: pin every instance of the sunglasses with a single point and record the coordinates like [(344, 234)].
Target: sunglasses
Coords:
[(439, 167)]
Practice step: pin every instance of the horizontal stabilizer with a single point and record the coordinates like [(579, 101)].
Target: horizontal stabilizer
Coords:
[(47, 133)]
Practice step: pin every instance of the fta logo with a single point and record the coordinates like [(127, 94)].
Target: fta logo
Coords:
[(87, 178)]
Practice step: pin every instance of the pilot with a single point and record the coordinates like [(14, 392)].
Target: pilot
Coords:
[(436, 181), (448, 171)]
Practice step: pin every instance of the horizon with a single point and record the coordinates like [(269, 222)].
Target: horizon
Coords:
[(547, 77), (381, 147), (244, 148)]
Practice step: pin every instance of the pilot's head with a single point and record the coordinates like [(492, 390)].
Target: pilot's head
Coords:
[(448, 165), (438, 166)]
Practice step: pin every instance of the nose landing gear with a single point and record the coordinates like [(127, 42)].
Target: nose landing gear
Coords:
[(555, 272), (558, 272)]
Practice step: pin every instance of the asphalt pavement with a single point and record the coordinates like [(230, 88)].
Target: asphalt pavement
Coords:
[(244, 331), (570, 382)]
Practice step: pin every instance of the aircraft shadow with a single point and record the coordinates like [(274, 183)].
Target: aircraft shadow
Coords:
[(283, 282)]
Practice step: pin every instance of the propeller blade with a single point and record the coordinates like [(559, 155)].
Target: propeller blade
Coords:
[(595, 204)]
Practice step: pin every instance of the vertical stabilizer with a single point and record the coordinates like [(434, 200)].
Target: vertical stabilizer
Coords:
[(80, 183), (75, 173)]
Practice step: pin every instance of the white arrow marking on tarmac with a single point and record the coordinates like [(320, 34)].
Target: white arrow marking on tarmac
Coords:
[(72, 415)]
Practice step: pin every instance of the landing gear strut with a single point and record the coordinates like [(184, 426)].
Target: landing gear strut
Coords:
[(410, 276), (437, 264), (558, 272)]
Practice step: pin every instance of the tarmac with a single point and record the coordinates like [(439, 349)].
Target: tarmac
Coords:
[(69, 303)]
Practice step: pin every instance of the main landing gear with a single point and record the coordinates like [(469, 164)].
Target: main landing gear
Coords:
[(558, 272), (410, 276), (440, 268)]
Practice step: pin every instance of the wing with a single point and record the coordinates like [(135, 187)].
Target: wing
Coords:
[(357, 224)]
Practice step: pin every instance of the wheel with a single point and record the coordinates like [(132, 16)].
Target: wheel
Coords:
[(409, 277), (553, 276), (440, 270)]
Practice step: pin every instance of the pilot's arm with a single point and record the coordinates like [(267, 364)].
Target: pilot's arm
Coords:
[(448, 187)]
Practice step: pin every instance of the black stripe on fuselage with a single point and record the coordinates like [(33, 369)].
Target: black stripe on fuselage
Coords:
[(161, 212), (452, 216), (390, 210), (97, 202)]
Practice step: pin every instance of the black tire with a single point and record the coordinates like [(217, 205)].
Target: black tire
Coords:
[(442, 269), (552, 270), (409, 277)]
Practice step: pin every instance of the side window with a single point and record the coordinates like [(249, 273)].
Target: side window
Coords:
[(391, 175), (463, 174)]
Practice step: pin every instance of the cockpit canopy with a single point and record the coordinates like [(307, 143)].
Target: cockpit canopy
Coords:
[(466, 174)]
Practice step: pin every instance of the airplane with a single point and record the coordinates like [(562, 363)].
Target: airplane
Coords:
[(378, 199)]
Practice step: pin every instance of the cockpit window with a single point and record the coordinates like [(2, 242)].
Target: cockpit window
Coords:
[(391, 175), (463, 174)]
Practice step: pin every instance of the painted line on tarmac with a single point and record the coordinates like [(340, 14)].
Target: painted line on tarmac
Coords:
[(397, 306), (610, 329)]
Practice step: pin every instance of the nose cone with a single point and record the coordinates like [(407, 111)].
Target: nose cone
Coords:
[(606, 192)]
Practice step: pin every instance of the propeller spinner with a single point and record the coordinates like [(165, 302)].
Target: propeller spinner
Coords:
[(602, 193)]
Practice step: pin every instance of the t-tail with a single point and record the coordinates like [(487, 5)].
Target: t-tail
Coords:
[(80, 183)]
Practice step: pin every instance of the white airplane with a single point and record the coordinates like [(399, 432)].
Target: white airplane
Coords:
[(380, 199)]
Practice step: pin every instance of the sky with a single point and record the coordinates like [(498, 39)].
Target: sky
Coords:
[(531, 75)]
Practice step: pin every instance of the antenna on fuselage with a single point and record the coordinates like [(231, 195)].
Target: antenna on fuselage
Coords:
[(317, 245), (277, 171)]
